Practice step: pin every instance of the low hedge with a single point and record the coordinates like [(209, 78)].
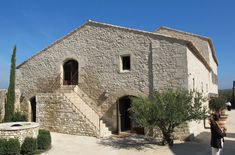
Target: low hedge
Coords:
[(2, 146), (9, 147), (44, 139), (29, 146)]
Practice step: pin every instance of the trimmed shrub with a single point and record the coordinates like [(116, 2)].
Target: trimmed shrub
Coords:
[(12, 147), (44, 140), (19, 117), (43, 131), (29, 146), (9, 106), (2, 146)]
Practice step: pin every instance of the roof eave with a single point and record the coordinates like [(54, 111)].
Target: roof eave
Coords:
[(195, 35), (52, 44)]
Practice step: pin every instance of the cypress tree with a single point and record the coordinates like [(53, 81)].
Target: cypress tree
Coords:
[(9, 106)]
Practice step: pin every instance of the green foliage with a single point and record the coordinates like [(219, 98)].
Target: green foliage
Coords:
[(2, 146), (227, 94), (12, 147), (29, 146), (167, 110), (44, 139), (9, 107), (19, 117), (218, 103)]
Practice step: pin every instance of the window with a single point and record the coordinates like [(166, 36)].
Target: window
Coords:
[(214, 78), (126, 62)]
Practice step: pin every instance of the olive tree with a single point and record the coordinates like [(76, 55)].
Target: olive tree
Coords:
[(167, 110)]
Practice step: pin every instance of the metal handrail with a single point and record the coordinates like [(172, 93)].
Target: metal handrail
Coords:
[(73, 77)]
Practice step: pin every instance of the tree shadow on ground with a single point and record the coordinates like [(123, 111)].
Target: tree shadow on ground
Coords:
[(201, 146), (138, 142)]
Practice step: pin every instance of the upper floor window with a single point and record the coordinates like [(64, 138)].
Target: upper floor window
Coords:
[(125, 62), (214, 78)]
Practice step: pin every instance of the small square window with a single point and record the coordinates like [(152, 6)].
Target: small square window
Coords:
[(126, 62)]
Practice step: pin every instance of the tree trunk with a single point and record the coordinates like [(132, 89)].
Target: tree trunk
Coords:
[(168, 137)]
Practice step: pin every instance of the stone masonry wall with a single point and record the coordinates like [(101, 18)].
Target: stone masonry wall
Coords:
[(169, 65), (98, 48), (2, 103), (157, 62), (19, 134), (201, 44), (56, 114)]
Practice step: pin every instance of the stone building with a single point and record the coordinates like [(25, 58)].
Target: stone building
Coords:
[(2, 103), (82, 83)]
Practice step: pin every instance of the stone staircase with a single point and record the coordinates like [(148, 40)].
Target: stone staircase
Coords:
[(85, 104)]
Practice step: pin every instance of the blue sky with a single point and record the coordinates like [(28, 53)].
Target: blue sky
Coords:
[(34, 24)]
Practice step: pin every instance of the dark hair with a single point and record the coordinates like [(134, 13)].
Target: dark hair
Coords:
[(216, 116)]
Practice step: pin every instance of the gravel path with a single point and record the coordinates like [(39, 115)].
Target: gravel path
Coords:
[(63, 144)]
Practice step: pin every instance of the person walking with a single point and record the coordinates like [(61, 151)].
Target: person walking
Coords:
[(217, 135)]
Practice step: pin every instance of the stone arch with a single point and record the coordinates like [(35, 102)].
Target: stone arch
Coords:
[(127, 92), (70, 72)]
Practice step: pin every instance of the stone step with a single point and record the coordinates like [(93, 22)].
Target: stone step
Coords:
[(104, 130), (82, 103)]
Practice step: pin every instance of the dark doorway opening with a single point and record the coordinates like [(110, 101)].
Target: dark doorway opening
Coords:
[(33, 109), (124, 121), (70, 72), (124, 114)]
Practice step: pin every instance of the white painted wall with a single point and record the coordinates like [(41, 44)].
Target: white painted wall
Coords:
[(213, 65), (198, 73), (202, 83)]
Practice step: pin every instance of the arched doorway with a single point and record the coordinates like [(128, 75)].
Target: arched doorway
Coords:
[(33, 109), (70, 69), (124, 120)]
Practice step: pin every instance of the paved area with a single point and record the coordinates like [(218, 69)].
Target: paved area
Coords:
[(63, 144)]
